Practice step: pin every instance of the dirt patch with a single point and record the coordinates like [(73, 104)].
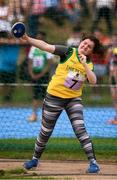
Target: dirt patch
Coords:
[(65, 169)]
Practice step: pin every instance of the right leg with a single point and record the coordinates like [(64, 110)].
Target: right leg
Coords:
[(52, 108), (50, 113)]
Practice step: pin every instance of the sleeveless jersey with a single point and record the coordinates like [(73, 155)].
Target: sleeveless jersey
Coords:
[(68, 80)]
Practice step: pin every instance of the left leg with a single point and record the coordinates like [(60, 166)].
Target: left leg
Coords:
[(75, 113), (52, 108), (74, 110)]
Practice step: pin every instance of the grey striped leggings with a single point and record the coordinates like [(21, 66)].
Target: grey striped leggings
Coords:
[(52, 108)]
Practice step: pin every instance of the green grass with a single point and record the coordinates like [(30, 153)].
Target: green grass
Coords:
[(21, 174), (59, 149)]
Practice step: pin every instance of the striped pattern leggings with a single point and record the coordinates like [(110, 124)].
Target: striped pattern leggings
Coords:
[(52, 108)]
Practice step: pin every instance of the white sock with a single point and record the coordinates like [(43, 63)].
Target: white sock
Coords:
[(93, 161), (34, 158)]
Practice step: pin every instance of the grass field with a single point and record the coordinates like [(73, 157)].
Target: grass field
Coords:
[(59, 149)]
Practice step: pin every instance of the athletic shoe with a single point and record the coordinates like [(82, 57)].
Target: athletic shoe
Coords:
[(31, 164), (93, 168)]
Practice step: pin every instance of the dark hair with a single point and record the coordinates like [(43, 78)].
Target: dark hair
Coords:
[(97, 47)]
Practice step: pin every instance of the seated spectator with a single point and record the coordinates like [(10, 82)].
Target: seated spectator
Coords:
[(5, 25)]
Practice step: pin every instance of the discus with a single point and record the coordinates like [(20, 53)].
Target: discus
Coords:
[(18, 29)]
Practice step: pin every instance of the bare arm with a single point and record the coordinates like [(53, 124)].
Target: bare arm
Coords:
[(38, 43), (90, 74)]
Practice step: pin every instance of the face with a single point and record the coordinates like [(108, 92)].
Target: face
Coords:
[(86, 47)]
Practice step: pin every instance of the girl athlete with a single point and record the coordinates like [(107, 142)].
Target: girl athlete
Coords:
[(64, 93)]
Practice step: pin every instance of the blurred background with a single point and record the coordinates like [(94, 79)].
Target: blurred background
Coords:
[(57, 22)]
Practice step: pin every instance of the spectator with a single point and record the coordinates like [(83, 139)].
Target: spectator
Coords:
[(100, 63), (5, 25), (17, 10), (38, 65), (103, 9), (112, 59), (36, 10), (75, 38), (72, 10), (9, 53), (55, 11), (84, 7)]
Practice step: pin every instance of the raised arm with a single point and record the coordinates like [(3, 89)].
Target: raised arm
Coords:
[(38, 43)]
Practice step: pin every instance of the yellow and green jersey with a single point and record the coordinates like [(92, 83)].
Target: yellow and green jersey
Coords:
[(69, 77)]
